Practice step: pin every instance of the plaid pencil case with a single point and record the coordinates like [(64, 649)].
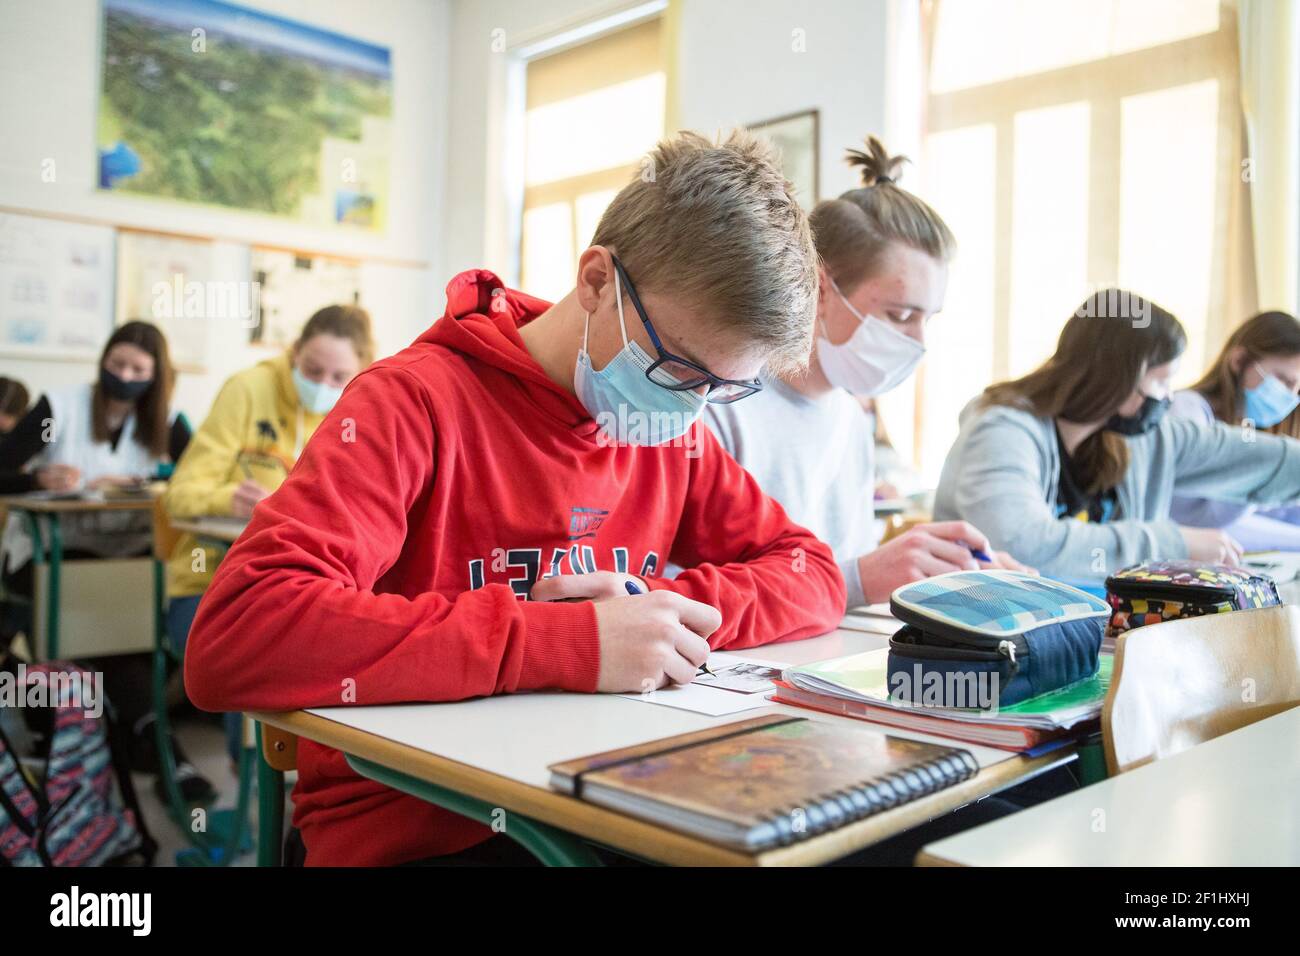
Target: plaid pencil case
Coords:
[(1000, 636), (1156, 591)]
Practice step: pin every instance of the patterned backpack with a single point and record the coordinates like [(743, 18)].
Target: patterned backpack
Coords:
[(70, 814)]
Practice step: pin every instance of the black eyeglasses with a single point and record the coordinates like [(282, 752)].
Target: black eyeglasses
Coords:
[(682, 375)]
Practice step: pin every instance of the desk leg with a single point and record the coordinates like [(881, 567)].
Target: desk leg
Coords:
[(553, 847), (55, 524), (54, 532), (1092, 762), (224, 837), (270, 809)]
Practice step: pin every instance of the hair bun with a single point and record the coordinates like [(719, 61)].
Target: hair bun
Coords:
[(877, 165)]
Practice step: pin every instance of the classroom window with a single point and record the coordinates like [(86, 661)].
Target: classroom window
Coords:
[(1063, 141), (592, 112)]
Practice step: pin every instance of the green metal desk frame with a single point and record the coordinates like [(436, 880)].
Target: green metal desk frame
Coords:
[(550, 845), (54, 528), (228, 832)]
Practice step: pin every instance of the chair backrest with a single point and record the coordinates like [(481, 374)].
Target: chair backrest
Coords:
[(164, 535), (896, 525), (1183, 682)]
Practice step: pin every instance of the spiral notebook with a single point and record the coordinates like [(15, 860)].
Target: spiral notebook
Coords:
[(764, 782)]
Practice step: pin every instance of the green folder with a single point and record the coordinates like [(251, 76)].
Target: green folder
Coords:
[(864, 677)]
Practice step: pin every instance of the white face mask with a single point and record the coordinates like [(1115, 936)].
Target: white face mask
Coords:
[(876, 358)]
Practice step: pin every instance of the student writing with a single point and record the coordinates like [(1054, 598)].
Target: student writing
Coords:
[(504, 461), (884, 272), (1073, 467)]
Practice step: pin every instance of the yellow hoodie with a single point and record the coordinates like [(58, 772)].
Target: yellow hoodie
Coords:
[(256, 429)]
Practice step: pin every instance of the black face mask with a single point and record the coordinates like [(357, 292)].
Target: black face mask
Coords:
[(1147, 418), (120, 390)]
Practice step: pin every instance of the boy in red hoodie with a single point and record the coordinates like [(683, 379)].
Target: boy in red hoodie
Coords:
[(519, 454)]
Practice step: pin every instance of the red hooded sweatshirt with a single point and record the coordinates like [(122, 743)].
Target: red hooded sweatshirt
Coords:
[(394, 564)]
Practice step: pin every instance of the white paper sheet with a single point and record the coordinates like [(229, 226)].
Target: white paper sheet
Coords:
[(701, 699)]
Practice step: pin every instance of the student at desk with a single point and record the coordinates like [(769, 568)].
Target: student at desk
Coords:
[(1254, 381), (479, 531), (805, 438), (1073, 467), (115, 431), (258, 425)]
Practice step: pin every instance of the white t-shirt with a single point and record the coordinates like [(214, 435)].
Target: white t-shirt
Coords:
[(107, 534), (815, 457)]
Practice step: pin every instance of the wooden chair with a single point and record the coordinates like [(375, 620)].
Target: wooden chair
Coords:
[(898, 524), (1183, 682)]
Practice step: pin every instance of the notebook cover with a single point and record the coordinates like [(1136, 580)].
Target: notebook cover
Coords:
[(564, 775), (766, 768)]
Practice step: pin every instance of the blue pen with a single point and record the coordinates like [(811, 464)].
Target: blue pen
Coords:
[(976, 553), (634, 590)]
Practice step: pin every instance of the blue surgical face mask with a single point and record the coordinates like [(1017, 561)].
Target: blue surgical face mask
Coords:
[(1270, 401), (628, 407), (317, 397)]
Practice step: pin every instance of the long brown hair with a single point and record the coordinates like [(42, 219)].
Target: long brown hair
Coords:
[(1105, 348), (1267, 334), (153, 407), (853, 232)]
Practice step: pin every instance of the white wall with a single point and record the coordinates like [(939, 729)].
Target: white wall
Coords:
[(736, 66), (739, 63), (49, 92)]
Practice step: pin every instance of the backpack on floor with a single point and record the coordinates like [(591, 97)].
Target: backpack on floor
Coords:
[(69, 813), (1156, 591)]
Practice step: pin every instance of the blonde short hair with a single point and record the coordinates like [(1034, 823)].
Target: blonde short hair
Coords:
[(717, 224)]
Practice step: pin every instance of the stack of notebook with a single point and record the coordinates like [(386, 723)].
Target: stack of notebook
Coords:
[(764, 782), (857, 686)]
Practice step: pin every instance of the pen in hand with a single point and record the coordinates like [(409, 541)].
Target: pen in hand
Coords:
[(634, 589), (976, 553)]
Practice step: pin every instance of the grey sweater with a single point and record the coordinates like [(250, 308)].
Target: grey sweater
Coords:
[(1003, 472)]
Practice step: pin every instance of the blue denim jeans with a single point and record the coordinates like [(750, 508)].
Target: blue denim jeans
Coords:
[(180, 617)]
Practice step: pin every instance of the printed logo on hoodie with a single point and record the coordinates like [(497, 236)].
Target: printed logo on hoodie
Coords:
[(521, 567)]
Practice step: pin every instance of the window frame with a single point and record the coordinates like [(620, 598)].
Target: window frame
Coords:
[(1103, 84)]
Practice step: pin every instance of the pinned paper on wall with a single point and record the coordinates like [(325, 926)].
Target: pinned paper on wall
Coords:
[(56, 287), (172, 282), (291, 286)]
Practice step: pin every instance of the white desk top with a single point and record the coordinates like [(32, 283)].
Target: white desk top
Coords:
[(519, 735), (1231, 801)]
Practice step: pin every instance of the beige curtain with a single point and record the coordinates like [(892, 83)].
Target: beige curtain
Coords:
[(1269, 41)]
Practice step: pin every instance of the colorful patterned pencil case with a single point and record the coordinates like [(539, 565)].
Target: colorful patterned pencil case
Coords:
[(1156, 591)]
